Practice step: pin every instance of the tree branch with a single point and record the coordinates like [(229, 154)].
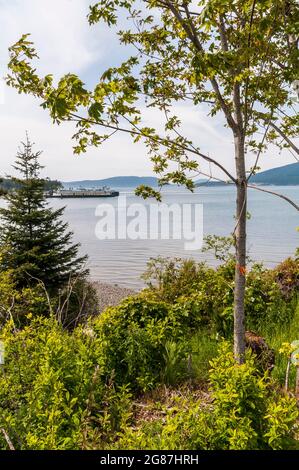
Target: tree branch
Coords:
[(7, 438), (162, 141), (258, 188), (285, 137), (222, 32), (282, 196), (248, 65), (191, 32), (259, 152)]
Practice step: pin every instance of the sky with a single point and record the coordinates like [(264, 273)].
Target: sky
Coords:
[(66, 43)]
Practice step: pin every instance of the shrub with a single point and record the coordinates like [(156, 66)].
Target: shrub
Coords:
[(199, 310), (248, 405), (286, 275), (58, 389), (134, 336), (207, 294), (265, 302), (52, 395), (16, 304), (204, 297), (192, 310), (76, 302), (73, 304), (246, 413), (169, 278)]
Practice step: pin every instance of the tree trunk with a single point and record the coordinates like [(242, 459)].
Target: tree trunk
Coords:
[(297, 384), (240, 241)]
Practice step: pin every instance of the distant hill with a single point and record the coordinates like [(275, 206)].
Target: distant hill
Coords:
[(287, 175), (7, 184), (115, 182)]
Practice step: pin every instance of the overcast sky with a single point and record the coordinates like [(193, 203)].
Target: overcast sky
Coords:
[(66, 43)]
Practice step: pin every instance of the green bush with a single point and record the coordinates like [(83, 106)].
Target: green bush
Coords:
[(265, 303), (170, 278), (202, 294), (76, 302), (134, 338), (52, 395), (206, 295), (286, 275), (74, 390), (245, 412), (193, 310), (252, 412), (73, 304), (16, 304)]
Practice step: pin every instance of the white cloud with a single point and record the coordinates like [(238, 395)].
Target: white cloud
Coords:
[(58, 28), (117, 157), (65, 43)]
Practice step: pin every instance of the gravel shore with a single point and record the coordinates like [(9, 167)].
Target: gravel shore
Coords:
[(111, 294)]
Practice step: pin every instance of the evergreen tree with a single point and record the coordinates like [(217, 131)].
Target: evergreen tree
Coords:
[(33, 237)]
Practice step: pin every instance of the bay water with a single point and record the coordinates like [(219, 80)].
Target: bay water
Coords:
[(272, 234)]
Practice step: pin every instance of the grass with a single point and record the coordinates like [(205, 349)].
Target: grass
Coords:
[(189, 361), (204, 348), (284, 333)]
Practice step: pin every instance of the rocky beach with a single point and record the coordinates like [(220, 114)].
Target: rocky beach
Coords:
[(111, 294)]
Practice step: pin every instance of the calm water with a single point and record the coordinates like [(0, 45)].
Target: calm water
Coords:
[(272, 234)]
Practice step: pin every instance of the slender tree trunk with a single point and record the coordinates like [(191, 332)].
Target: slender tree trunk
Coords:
[(240, 240), (297, 384), (287, 378)]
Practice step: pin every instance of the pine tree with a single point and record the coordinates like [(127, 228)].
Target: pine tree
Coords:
[(35, 241)]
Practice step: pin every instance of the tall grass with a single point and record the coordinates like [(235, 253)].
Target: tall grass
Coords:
[(283, 333), (203, 348), (189, 360)]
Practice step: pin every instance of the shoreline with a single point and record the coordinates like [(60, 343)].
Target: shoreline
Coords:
[(110, 295)]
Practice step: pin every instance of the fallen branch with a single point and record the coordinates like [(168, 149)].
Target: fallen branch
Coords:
[(7, 438)]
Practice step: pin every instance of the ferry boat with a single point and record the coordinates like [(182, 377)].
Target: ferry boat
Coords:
[(82, 192)]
